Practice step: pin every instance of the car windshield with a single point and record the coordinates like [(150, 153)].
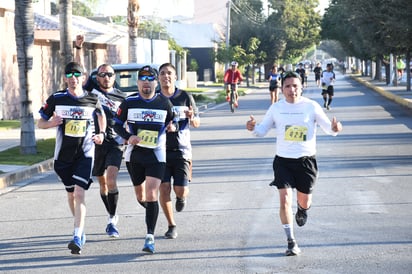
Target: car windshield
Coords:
[(127, 80), (126, 77)]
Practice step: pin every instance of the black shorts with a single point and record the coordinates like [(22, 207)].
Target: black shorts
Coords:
[(106, 155), (317, 77), (329, 90), (178, 168), (75, 173), (273, 86), (144, 163), (298, 173)]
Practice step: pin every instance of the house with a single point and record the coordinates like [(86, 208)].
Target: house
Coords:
[(201, 41), (104, 44)]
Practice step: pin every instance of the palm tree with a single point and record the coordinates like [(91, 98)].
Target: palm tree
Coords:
[(24, 29), (133, 23), (66, 42)]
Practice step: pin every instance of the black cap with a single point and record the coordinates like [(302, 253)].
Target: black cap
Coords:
[(147, 71), (73, 67)]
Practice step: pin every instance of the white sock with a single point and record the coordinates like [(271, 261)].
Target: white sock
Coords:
[(289, 231), (78, 232)]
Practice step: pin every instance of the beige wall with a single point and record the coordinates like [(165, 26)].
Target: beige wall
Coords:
[(9, 94), (47, 74)]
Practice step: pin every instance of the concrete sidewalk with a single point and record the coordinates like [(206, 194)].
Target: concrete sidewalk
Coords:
[(11, 138), (14, 173)]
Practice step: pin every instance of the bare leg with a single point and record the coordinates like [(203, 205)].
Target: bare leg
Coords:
[(304, 200), (166, 202), (79, 207), (285, 210)]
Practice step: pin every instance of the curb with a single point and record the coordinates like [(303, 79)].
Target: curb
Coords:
[(10, 178), (397, 99)]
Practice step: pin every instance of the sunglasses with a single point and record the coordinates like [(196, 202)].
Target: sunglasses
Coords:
[(144, 78), (104, 74), (75, 74)]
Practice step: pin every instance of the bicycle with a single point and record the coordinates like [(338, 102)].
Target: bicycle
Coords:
[(232, 97)]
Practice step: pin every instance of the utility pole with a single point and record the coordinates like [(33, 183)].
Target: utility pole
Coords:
[(228, 6)]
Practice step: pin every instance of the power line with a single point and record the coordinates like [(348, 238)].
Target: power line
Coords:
[(241, 8), (250, 14)]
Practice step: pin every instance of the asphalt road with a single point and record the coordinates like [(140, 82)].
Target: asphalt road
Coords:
[(360, 221)]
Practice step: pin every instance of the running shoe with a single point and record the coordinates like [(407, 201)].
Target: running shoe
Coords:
[(171, 233), (180, 204), (149, 245), (236, 104), (301, 217), (293, 248), (227, 98), (111, 231), (75, 245)]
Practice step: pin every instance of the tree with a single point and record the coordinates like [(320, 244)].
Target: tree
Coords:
[(83, 9), (370, 29), (66, 43), (133, 23), (24, 29), (286, 34)]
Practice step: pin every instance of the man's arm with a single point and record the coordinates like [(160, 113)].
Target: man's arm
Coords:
[(79, 56), (53, 122)]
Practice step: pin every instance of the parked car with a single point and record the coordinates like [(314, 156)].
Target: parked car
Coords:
[(126, 77)]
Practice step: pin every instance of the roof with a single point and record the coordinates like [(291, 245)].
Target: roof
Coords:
[(48, 27)]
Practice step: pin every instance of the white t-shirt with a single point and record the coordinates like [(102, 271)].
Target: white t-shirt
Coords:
[(328, 77), (295, 126)]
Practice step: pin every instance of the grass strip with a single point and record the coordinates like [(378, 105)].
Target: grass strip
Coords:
[(12, 156)]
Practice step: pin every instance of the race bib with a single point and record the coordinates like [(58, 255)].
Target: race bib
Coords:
[(75, 128), (148, 138), (296, 133)]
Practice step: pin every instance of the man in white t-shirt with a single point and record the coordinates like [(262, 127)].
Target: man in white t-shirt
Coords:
[(296, 119), (327, 79)]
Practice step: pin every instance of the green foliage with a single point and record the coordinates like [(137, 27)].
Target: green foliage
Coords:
[(152, 30), (119, 20), (291, 29), (80, 8), (333, 48), (220, 75), (174, 46), (370, 27), (193, 65)]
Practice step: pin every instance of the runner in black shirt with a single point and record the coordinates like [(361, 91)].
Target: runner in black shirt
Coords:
[(178, 147), (72, 112), (148, 116)]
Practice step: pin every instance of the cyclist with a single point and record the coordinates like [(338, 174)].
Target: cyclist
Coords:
[(233, 76)]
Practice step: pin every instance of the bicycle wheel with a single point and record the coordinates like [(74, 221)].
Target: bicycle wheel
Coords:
[(232, 101)]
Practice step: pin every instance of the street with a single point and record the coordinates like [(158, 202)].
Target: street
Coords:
[(360, 220)]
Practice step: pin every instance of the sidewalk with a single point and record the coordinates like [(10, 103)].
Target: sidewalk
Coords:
[(398, 94), (15, 173), (11, 138)]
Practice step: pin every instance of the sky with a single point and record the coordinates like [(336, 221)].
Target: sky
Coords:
[(209, 10), (159, 8)]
